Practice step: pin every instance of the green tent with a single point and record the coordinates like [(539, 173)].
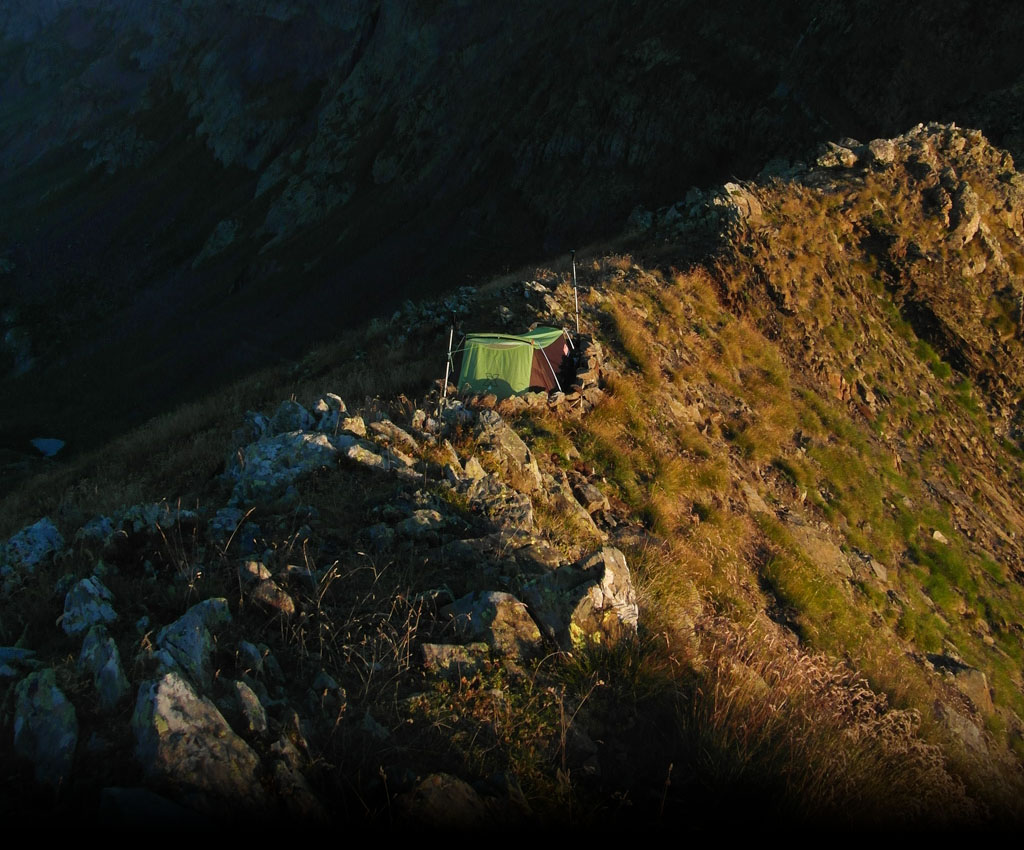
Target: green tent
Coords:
[(507, 364)]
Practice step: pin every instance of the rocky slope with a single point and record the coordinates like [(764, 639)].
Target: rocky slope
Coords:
[(282, 169), (765, 554)]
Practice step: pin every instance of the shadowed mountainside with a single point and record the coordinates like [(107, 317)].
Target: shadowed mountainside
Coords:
[(191, 190)]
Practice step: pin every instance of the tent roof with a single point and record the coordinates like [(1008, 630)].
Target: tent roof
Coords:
[(539, 337)]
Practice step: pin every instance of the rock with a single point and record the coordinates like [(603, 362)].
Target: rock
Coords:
[(969, 680), (561, 498), (362, 454), (252, 711), (290, 416), (264, 470), (832, 155), (184, 743), (590, 497), (32, 546), (268, 595), (474, 471), (189, 642), (497, 618), (443, 801), (964, 729), (424, 524), (939, 537), (45, 728), (224, 525), (881, 152), (454, 661), (12, 657), (95, 534), (497, 437), (353, 425), (253, 571), (504, 507), (591, 601), (330, 411), (965, 216), (254, 427), (99, 656), (86, 604), (394, 435)]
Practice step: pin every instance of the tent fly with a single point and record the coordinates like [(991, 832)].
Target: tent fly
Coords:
[(511, 364)]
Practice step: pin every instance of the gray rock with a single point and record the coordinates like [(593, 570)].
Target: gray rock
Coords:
[(268, 595), (445, 801), (591, 601), (189, 642), (45, 727), (264, 470), (96, 532), (11, 657), (87, 604), (329, 410), (882, 152), (424, 524), (498, 619), (290, 416), (224, 525), (34, 545), (251, 709), (253, 571), (100, 658), (184, 743), (590, 497), (394, 435)]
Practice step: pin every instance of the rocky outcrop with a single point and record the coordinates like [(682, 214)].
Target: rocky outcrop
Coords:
[(184, 744)]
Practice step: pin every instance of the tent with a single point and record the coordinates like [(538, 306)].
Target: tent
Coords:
[(507, 364)]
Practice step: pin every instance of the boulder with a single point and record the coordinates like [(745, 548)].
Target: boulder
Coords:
[(251, 709), (591, 601), (188, 640), (498, 619), (268, 595), (45, 727), (264, 470), (34, 545), (290, 416), (87, 604), (100, 658), (183, 743)]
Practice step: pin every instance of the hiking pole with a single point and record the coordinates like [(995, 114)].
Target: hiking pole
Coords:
[(575, 295), (448, 365)]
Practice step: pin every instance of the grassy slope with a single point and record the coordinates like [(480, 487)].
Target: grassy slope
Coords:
[(751, 480)]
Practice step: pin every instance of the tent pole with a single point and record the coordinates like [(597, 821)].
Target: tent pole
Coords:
[(575, 295), (448, 365)]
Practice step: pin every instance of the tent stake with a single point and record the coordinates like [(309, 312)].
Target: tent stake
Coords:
[(575, 295)]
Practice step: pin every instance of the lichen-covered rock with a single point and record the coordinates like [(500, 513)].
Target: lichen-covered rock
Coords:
[(183, 742), (290, 416), (264, 470), (33, 545), (45, 727), (100, 658), (442, 800), (189, 641), (86, 604), (591, 601), (498, 619)]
